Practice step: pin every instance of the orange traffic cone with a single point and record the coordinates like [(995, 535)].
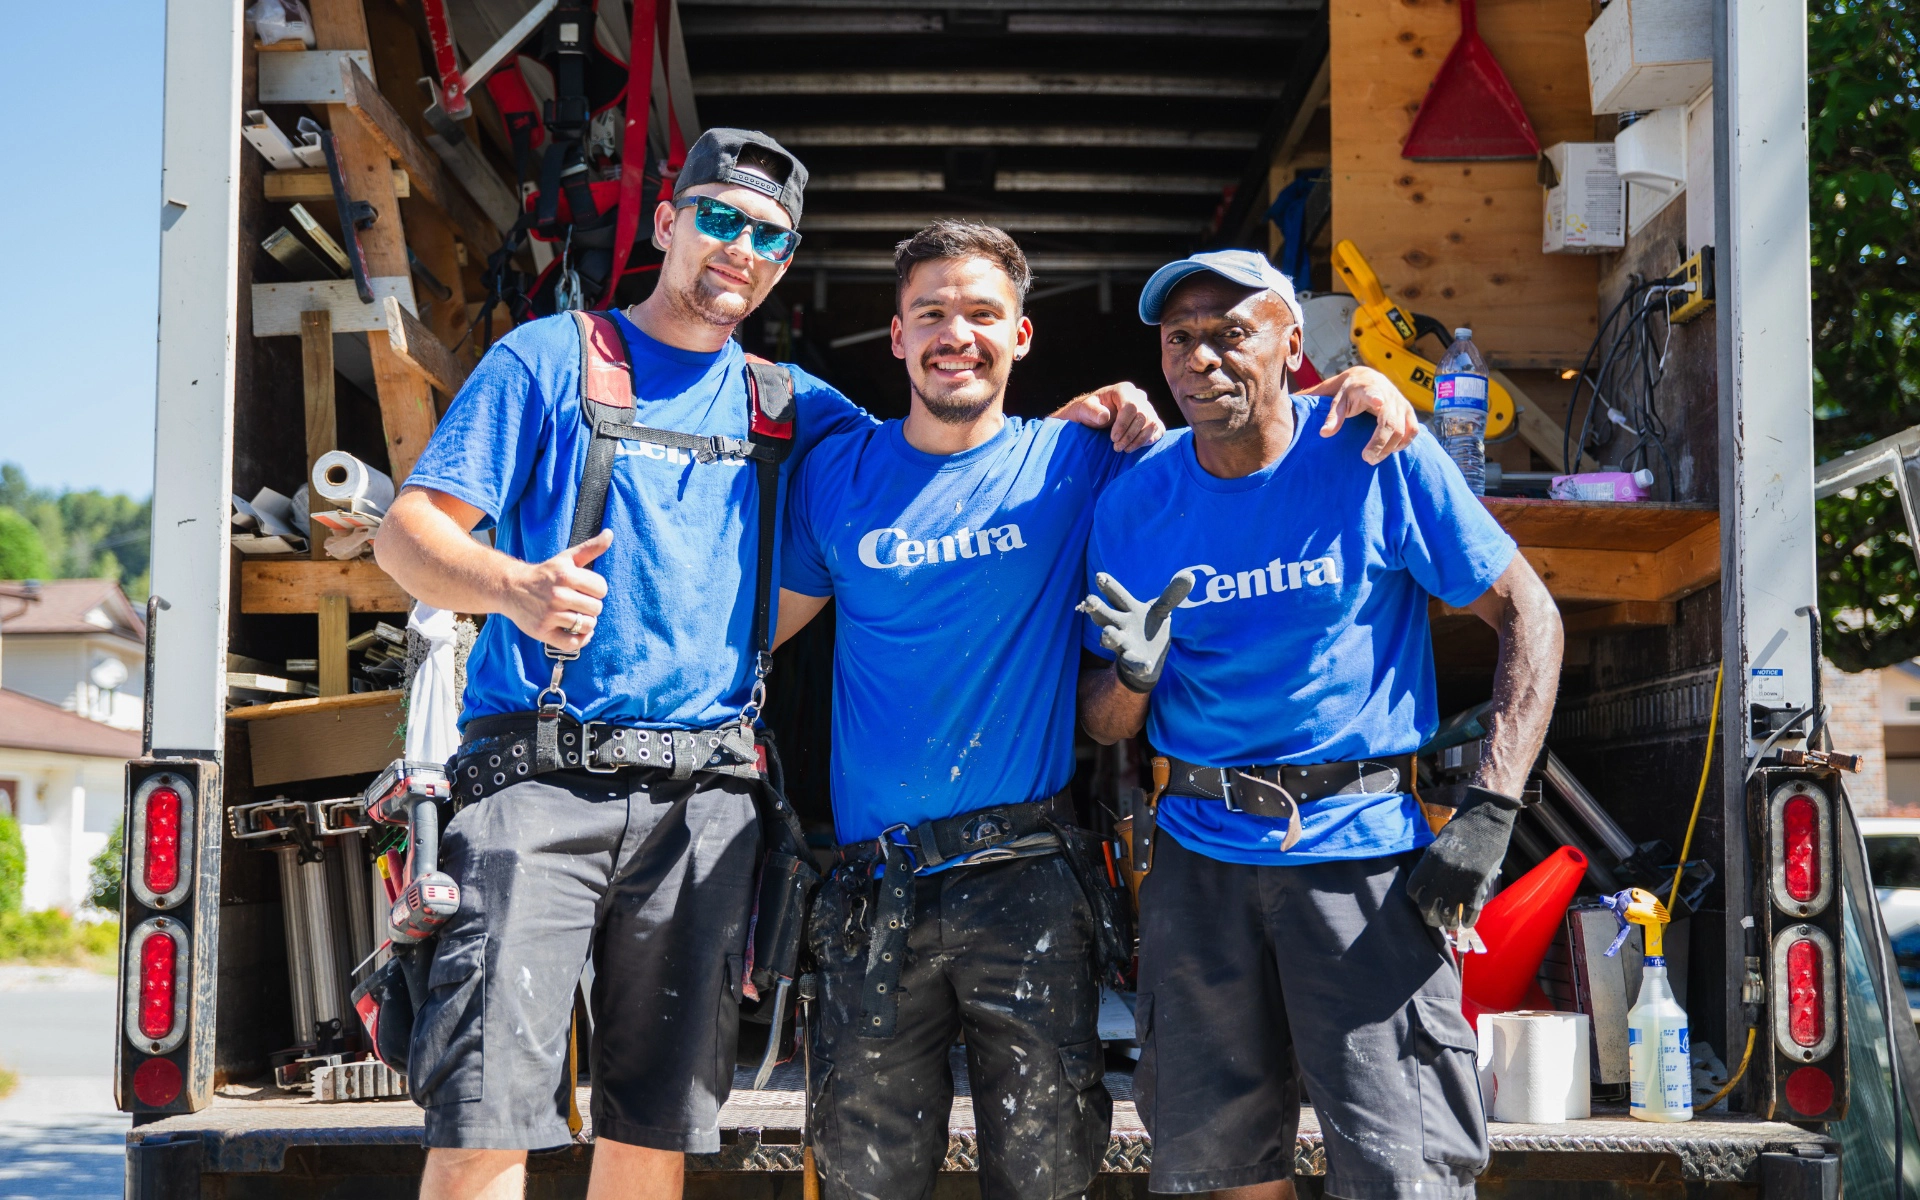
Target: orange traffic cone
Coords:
[(1518, 925)]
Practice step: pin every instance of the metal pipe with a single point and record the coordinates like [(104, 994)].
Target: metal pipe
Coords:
[(1561, 832), (1584, 806), (353, 879), (293, 908), (321, 952)]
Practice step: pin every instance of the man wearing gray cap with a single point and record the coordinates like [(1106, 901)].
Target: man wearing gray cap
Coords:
[(629, 465), (1294, 921)]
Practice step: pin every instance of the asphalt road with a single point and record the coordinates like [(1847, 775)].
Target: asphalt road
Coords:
[(60, 1135)]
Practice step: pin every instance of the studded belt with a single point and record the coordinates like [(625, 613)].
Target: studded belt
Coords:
[(1278, 791), (500, 751)]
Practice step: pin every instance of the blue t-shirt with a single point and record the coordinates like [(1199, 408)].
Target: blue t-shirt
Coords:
[(670, 650), (1305, 638), (954, 580)]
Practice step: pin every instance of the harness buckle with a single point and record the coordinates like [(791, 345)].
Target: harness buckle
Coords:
[(885, 840), (1226, 789), (586, 750)]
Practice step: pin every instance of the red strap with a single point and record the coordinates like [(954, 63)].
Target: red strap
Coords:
[(608, 381), (633, 146)]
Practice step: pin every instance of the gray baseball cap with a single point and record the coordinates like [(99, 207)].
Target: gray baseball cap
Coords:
[(1249, 268), (715, 158)]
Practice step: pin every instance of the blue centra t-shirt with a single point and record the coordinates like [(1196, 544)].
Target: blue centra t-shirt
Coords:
[(954, 580), (670, 650), (1305, 639)]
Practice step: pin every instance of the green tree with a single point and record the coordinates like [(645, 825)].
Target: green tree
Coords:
[(1864, 138), (103, 874), (84, 535), (22, 555)]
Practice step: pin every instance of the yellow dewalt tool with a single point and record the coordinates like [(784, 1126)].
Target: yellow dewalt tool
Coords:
[(1383, 335)]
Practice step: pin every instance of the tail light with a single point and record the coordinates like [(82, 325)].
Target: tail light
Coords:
[(157, 986), (1801, 833), (164, 1059), (159, 843), (1803, 1075)]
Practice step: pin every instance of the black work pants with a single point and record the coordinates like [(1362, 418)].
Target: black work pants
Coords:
[(1004, 952)]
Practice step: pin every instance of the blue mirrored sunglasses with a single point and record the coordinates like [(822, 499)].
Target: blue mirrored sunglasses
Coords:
[(723, 222)]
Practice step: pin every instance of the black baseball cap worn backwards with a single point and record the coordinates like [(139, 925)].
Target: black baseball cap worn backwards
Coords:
[(715, 158)]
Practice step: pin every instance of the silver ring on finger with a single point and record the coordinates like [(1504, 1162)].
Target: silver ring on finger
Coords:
[(573, 625)]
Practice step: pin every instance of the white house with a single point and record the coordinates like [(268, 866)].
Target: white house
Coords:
[(71, 670)]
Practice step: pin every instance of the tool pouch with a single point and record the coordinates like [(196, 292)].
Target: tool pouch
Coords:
[(787, 885), (1112, 914), (388, 1000)]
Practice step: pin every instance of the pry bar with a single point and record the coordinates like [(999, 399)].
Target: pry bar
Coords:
[(450, 104), (355, 215)]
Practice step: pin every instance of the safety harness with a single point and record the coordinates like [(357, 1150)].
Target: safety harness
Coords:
[(502, 751)]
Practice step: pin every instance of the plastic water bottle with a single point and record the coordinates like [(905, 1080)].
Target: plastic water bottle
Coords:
[(1460, 408), (1659, 1058)]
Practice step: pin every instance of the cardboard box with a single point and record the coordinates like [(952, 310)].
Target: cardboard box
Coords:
[(1585, 199), (1649, 54)]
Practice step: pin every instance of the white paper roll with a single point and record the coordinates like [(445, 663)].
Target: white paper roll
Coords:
[(344, 479), (1539, 1065)]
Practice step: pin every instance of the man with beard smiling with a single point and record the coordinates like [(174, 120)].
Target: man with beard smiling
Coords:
[(1292, 929), (648, 868), (952, 543)]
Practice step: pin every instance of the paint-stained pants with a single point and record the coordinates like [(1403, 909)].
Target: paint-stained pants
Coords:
[(1003, 951)]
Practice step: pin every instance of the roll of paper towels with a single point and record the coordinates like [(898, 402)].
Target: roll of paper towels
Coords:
[(344, 479), (1534, 1067)]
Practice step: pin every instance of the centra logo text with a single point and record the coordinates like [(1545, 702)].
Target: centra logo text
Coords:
[(884, 548), (1215, 587)]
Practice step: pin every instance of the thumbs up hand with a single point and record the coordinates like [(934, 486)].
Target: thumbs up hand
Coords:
[(1138, 634), (558, 601)]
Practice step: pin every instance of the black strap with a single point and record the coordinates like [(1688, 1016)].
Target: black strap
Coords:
[(887, 948)]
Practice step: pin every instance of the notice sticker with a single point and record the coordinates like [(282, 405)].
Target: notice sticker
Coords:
[(1769, 686)]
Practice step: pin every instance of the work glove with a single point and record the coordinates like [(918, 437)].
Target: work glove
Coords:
[(1138, 635), (1450, 882)]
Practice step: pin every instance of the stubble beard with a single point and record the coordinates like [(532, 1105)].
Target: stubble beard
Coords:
[(700, 301)]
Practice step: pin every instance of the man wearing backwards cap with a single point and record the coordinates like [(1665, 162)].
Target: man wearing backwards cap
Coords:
[(1294, 924), (650, 872)]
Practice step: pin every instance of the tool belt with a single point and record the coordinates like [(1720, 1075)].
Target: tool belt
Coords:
[(1278, 791), (503, 750), (933, 843)]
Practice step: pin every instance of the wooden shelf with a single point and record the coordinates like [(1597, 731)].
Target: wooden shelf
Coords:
[(1611, 566), (315, 705), (297, 585), (323, 737), (1620, 555)]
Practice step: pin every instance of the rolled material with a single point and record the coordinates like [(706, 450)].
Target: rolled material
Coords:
[(345, 480), (1534, 1067)]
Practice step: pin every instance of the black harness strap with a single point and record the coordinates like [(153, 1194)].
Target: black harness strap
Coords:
[(606, 372)]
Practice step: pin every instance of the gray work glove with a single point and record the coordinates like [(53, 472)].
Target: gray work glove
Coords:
[(1451, 881), (1138, 635)]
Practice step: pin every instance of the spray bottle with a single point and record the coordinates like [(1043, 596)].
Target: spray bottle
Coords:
[(1659, 1056)]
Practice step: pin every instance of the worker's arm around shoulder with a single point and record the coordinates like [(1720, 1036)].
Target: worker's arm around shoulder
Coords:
[(1526, 676), (1109, 709), (426, 545)]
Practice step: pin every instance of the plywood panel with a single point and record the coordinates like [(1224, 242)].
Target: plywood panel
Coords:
[(1461, 240)]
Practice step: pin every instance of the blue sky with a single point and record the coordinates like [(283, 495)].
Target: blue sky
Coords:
[(80, 207)]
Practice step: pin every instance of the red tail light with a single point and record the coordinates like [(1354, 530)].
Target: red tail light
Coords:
[(1806, 1016), (157, 963), (159, 841), (1802, 835), (163, 840), (1806, 1020), (157, 1082), (159, 966)]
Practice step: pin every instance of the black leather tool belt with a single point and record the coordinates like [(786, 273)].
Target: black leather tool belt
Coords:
[(499, 751), (1277, 792), (1258, 790)]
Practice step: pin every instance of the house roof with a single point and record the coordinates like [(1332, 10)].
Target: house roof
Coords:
[(70, 606), (30, 724)]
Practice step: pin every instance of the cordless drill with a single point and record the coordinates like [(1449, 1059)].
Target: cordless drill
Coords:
[(409, 794)]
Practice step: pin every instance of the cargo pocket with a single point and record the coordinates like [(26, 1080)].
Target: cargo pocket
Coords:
[(449, 1036), (1453, 1124), (726, 1024)]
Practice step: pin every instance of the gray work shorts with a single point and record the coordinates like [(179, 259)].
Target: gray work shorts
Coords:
[(1004, 952), (1254, 980), (654, 878)]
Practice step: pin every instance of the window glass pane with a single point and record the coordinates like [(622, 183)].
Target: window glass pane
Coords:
[(1894, 860)]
